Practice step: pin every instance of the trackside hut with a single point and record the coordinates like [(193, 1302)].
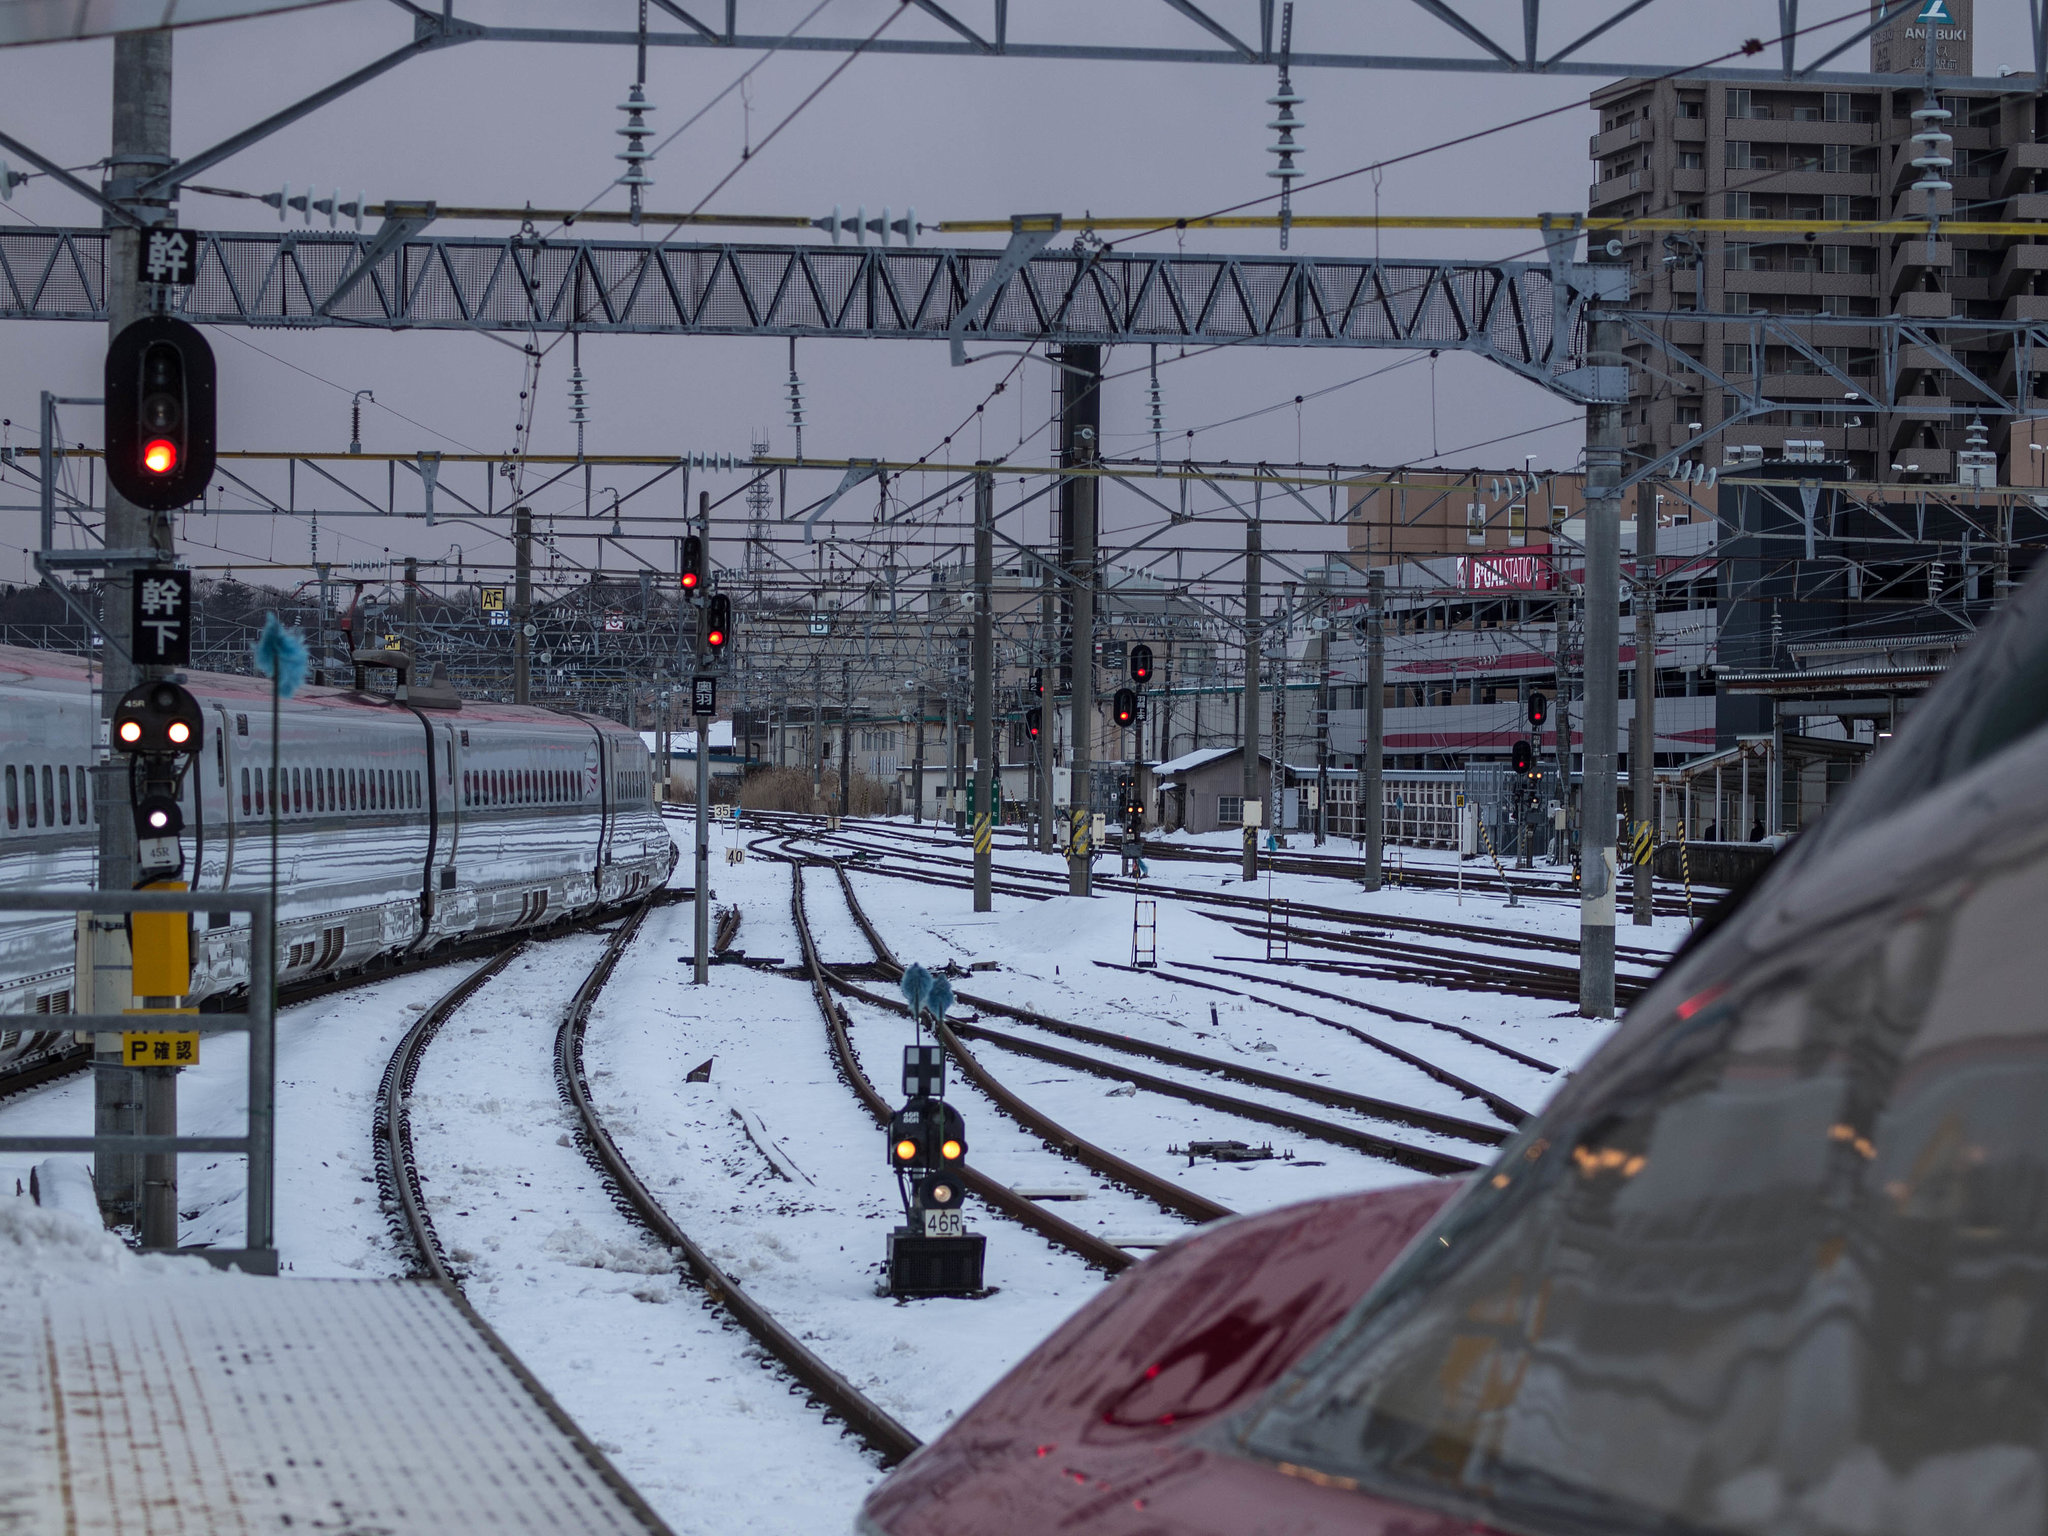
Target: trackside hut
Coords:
[(1204, 791)]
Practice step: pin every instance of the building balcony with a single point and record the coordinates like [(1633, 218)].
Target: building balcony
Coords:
[(2022, 163), (1685, 179), (2022, 265), (2024, 206), (1923, 306), (1614, 140), (1784, 130), (2027, 307)]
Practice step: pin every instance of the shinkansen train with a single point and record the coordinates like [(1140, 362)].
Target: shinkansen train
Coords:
[(400, 828)]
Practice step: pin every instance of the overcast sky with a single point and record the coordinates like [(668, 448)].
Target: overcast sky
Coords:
[(507, 124)]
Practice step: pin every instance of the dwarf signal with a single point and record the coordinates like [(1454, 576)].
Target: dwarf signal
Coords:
[(159, 728)]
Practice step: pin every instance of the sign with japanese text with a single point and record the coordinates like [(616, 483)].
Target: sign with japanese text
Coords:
[(161, 618), (159, 1049), (168, 256), (704, 696)]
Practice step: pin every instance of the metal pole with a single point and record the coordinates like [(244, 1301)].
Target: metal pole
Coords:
[(125, 1100), (846, 737), (917, 761), (952, 760), (1079, 854), (986, 768), (412, 604), (1048, 701), (1323, 730), (522, 604), (260, 1225), (1604, 451), (1560, 849), (1371, 784), (1642, 746), (701, 971), (1248, 712)]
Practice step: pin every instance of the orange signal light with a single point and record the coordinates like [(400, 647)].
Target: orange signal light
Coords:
[(160, 456), (906, 1150), (950, 1150)]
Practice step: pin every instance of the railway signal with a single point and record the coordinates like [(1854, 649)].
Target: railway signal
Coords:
[(692, 563), (158, 726), (1034, 723), (1038, 682), (1539, 711), (1125, 706), (1521, 757), (717, 624), (1141, 664), (160, 413)]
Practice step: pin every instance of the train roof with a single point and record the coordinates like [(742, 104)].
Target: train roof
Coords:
[(60, 669)]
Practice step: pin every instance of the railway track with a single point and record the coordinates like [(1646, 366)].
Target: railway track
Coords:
[(955, 1033), (398, 1178), (1454, 966)]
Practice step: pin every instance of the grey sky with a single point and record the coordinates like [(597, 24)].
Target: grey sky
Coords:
[(507, 124)]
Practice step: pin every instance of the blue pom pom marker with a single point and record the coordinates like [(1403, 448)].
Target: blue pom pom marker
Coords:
[(281, 656), (939, 998), (917, 986)]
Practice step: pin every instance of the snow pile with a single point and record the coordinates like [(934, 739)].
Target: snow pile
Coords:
[(577, 1244), (43, 1249)]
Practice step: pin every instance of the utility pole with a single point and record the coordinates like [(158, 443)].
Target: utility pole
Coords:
[(1048, 699), (1371, 785), (412, 606), (1080, 855), (1604, 453), (128, 1101), (1323, 727), (522, 604), (819, 746), (1642, 745), (952, 760), (987, 769), (846, 736), (1562, 716), (917, 761), (1248, 714), (701, 896)]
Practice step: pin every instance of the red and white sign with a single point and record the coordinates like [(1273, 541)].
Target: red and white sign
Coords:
[(1517, 571)]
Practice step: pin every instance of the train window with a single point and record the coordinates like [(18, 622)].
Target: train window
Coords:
[(245, 792), (380, 784), (241, 725), (13, 800), (294, 787), (525, 787), (80, 779), (49, 797), (220, 760), (468, 787), (260, 774), (30, 775), (356, 800), (64, 792)]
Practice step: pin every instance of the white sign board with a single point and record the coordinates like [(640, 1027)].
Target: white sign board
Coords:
[(1254, 813)]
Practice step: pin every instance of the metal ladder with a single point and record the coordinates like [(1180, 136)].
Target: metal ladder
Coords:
[(1144, 934)]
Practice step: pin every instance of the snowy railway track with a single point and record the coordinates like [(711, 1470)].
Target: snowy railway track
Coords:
[(1118, 1170), (1451, 966), (399, 1181)]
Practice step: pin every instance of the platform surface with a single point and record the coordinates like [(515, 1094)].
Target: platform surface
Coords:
[(229, 1405)]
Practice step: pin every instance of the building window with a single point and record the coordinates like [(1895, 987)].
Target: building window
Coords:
[(1835, 107), (1230, 810), (1475, 522), (1691, 160), (1692, 109), (1739, 103), (1837, 157), (1837, 208), (1742, 156), (1740, 206)]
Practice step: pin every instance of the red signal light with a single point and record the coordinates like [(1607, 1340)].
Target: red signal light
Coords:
[(689, 580), (715, 638), (160, 456)]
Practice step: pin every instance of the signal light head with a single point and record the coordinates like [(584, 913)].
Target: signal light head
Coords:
[(160, 456), (131, 731), (689, 580), (179, 732), (906, 1151), (951, 1151)]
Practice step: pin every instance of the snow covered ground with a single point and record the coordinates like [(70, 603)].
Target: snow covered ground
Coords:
[(775, 1167)]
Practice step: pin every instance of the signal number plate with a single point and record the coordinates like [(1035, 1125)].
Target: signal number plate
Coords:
[(945, 1223)]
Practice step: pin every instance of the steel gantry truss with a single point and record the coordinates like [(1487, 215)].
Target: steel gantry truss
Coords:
[(1526, 316)]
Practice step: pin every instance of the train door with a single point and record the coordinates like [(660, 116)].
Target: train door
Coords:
[(454, 895), (211, 779)]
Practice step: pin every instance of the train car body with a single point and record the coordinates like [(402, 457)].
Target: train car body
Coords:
[(393, 828), (1774, 1260)]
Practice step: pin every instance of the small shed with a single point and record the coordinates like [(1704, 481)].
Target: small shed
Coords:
[(1204, 791)]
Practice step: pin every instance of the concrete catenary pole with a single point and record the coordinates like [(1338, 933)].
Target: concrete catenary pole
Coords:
[(917, 760), (1080, 856), (1048, 699), (987, 769), (128, 1101), (846, 737), (1248, 715), (1642, 746), (701, 867), (1602, 670), (522, 604), (1371, 781)]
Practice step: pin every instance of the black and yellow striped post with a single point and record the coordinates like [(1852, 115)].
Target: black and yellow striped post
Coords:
[(1644, 846), (1685, 869)]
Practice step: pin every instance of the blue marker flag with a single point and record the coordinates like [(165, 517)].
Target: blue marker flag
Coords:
[(940, 998), (917, 986), (281, 654)]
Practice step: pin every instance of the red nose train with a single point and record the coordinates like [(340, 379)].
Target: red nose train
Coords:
[(1775, 1260)]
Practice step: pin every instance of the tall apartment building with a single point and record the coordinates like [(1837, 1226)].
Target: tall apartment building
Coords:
[(1703, 149)]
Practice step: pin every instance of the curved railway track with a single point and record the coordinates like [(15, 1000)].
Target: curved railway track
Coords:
[(1453, 967), (398, 1178)]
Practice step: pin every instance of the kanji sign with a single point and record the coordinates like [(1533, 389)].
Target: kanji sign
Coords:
[(168, 256), (161, 618), (704, 696), (159, 1049)]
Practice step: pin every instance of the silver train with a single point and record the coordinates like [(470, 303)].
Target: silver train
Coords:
[(400, 828)]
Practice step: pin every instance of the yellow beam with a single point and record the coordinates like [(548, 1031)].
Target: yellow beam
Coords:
[(1524, 221)]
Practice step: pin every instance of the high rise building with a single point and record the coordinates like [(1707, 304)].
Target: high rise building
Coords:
[(1704, 149)]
